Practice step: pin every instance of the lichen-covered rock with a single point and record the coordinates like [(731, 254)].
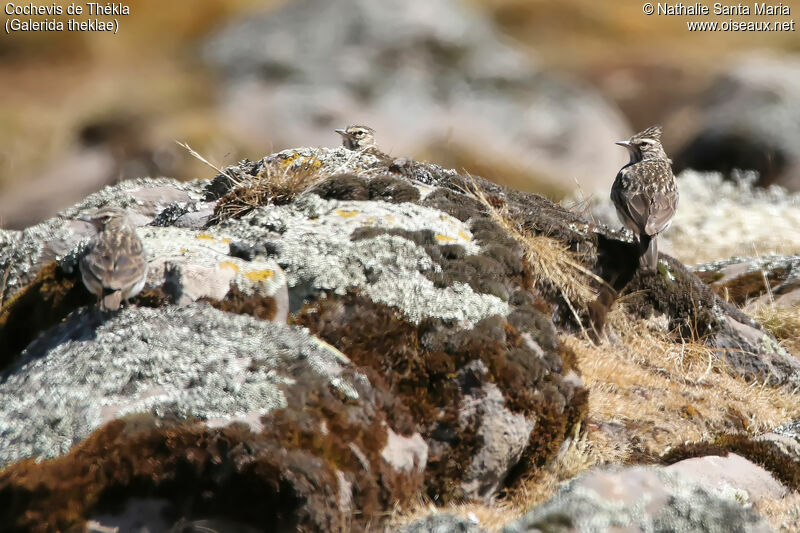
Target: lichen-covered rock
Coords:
[(430, 360), (773, 279), (442, 523), (190, 265), (638, 499), (172, 362), (219, 415), (444, 57), (24, 253)]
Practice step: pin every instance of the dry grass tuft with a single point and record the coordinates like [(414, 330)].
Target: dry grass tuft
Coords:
[(551, 261), (277, 184), (665, 393), (783, 515), (783, 322)]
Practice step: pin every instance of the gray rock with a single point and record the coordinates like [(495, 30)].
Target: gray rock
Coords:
[(442, 75), (173, 361), (637, 499), (23, 253), (747, 480), (442, 523), (768, 279), (755, 354), (191, 264), (318, 255), (504, 435)]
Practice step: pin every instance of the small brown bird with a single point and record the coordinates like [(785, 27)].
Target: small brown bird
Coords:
[(115, 266), (358, 137), (645, 193)]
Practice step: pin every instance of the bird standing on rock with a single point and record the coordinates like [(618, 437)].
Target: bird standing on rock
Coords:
[(115, 266), (645, 193)]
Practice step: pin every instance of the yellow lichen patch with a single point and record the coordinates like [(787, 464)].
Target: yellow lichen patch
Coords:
[(259, 275), (226, 240), (346, 214), (205, 236), (445, 238), (229, 264), (184, 250), (463, 235), (289, 160), (296, 159)]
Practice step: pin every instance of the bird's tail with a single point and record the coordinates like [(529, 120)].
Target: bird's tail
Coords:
[(648, 252)]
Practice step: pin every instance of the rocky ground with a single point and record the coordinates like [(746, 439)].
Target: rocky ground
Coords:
[(331, 340)]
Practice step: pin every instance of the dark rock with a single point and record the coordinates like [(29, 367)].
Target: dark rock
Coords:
[(750, 119)]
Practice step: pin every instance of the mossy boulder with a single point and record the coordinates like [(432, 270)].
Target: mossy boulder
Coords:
[(421, 351)]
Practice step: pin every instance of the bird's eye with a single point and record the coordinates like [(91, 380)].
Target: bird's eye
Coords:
[(359, 134)]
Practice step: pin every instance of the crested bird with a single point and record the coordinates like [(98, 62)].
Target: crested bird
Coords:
[(645, 193), (115, 265), (358, 137)]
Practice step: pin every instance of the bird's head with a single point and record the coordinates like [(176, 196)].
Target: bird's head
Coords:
[(357, 137), (645, 145), (105, 217)]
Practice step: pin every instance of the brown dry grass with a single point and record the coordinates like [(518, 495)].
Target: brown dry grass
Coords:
[(783, 515), (551, 261), (277, 184), (647, 394), (783, 322)]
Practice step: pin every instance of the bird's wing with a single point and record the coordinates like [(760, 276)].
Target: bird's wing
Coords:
[(116, 264), (129, 262), (98, 262), (633, 208), (662, 209)]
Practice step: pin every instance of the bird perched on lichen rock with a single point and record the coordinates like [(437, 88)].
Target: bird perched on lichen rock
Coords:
[(644, 192), (362, 139), (115, 265), (358, 137)]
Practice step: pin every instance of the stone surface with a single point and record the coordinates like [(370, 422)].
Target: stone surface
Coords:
[(442, 77), (505, 435), (733, 472), (442, 523), (186, 362), (638, 499), (421, 354), (768, 279)]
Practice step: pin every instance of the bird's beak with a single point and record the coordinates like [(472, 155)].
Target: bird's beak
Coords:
[(341, 132), (85, 219), (626, 144)]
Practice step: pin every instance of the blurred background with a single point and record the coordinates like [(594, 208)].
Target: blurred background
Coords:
[(531, 93)]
